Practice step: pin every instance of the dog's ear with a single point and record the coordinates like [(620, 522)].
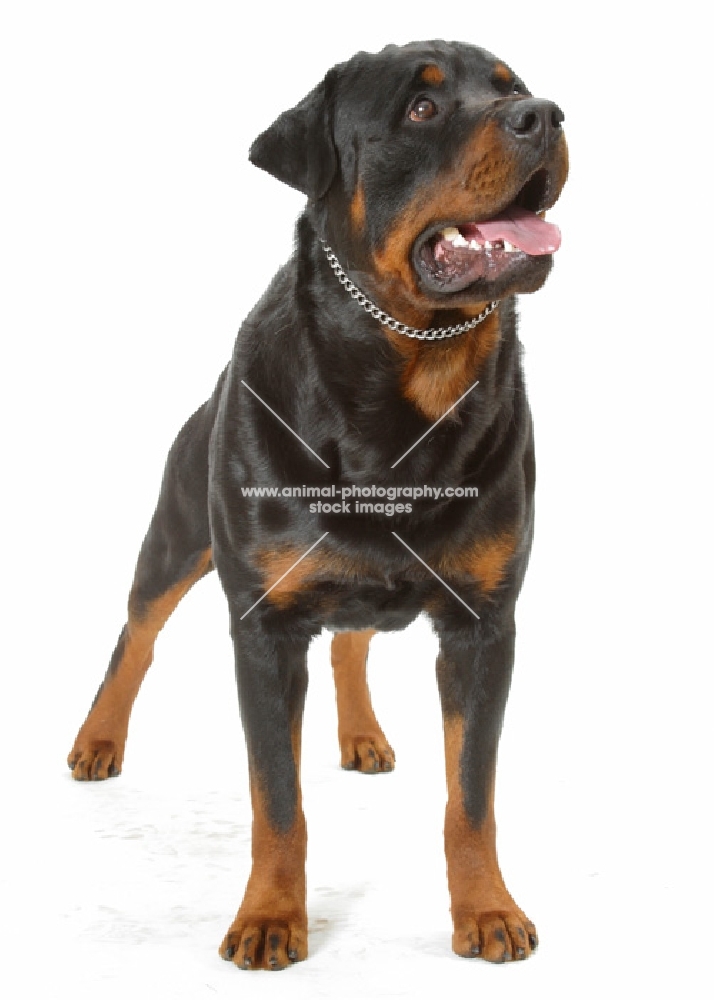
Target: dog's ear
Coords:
[(298, 147)]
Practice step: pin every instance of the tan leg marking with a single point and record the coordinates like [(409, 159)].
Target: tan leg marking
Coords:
[(98, 751), (363, 745), (270, 928), (487, 921)]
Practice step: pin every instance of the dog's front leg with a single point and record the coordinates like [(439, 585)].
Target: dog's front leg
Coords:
[(270, 928), (474, 671)]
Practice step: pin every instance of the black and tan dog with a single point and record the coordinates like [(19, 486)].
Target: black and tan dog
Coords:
[(427, 170)]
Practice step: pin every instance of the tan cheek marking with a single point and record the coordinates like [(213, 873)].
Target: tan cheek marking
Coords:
[(432, 75), (484, 175), (452, 192), (467, 190), (563, 166), (358, 211)]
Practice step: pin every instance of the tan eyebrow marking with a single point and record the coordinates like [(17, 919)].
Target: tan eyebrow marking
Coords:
[(502, 73), (432, 74)]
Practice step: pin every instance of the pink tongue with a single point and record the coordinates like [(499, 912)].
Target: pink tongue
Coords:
[(524, 229)]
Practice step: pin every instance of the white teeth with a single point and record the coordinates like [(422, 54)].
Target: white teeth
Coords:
[(453, 236)]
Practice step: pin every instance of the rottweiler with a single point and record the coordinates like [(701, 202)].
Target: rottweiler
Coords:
[(382, 364)]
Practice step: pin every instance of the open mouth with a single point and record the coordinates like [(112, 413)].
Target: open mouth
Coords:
[(454, 256)]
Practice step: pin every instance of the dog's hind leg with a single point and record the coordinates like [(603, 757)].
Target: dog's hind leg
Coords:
[(363, 745), (175, 554)]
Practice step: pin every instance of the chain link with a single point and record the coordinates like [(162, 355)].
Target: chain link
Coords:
[(432, 333)]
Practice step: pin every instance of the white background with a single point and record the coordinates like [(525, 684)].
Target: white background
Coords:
[(134, 236)]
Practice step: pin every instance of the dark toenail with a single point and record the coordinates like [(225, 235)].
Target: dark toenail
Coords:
[(247, 963), (349, 766), (520, 952), (521, 934), (292, 955), (371, 753), (272, 961), (533, 940), (229, 952), (499, 935), (475, 949), (273, 941)]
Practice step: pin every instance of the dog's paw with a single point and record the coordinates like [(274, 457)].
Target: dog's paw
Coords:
[(95, 759), (265, 943), (495, 935), (368, 754)]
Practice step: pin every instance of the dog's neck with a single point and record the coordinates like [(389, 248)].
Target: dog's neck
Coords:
[(430, 334), (432, 373)]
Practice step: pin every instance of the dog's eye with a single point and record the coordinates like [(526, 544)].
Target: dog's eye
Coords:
[(422, 109)]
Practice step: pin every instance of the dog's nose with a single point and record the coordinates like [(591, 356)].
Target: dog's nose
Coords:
[(534, 121)]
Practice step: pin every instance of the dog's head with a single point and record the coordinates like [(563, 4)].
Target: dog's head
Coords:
[(428, 168)]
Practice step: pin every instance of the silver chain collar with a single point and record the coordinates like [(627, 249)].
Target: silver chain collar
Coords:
[(433, 333)]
